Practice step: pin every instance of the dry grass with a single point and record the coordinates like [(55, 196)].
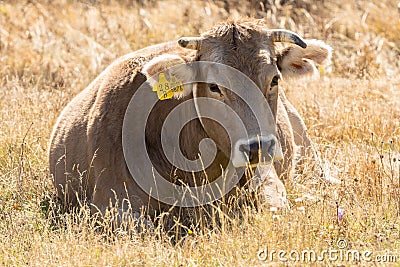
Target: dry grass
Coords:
[(49, 52)]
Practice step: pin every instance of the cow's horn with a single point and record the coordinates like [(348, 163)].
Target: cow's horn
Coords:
[(287, 36), (191, 42)]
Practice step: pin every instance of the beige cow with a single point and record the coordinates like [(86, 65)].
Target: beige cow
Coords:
[(86, 154)]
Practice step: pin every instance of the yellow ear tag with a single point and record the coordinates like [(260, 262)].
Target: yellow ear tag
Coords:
[(321, 69), (165, 89)]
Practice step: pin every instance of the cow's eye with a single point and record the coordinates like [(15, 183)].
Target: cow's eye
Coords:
[(214, 88), (275, 81)]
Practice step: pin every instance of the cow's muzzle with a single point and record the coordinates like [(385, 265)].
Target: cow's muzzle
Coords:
[(260, 149)]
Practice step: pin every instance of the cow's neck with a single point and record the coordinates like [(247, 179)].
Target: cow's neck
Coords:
[(190, 136)]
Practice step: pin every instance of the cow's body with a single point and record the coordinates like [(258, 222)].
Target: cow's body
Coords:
[(86, 144), (86, 153)]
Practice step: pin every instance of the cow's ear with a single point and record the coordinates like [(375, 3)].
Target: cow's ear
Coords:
[(174, 69), (295, 61)]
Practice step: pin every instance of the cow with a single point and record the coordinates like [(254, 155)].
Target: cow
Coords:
[(86, 155)]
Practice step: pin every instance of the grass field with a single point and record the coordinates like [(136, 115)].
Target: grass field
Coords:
[(51, 50)]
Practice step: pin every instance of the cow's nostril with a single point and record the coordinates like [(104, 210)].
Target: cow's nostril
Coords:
[(260, 149), (254, 147), (250, 147), (254, 152), (244, 148), (251, 151)]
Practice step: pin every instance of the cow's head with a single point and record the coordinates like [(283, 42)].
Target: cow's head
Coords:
[(249, 48)]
